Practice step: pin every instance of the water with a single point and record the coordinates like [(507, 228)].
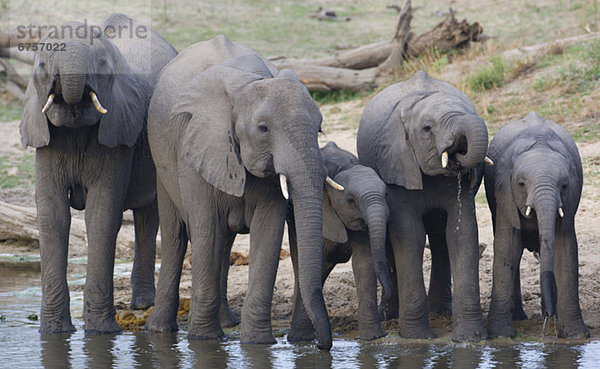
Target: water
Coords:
[(21, 345)]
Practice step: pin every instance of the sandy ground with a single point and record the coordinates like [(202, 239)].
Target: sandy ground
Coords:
[(339, 291)]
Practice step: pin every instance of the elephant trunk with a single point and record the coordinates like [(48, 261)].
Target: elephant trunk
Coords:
[(306, 188), (545, 205), (376, 214), (72, 72), (474, 130)]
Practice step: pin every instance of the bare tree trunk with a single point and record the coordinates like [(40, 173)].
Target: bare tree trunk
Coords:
[(401, 39)]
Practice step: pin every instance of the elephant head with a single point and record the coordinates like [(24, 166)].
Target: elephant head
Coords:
[(242, 120), (361, 206), (86, 83), (420, 126), (539, 177)]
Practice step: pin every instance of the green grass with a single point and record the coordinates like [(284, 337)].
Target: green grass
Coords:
[(488, 77), (334, 97), (11, 111), (17, 171)]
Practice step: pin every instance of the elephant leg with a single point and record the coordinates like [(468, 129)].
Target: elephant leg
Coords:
[(440, 286), (174, 240), (266, 232), (463, 250), (142, 275), (567, 284), (507, 251), (518, 313), (226, 316), (301, 328), (54, 221), (407, 236), (388, 309), (103, 216), (366, 290)]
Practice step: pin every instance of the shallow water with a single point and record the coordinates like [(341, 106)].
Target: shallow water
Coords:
[(21, 345)]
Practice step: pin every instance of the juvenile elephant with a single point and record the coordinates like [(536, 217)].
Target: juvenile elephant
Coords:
[(227, 131), (425, 139), (354, 224), (84, 112), (537, 176)]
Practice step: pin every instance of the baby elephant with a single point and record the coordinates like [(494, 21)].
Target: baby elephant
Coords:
[(354, 224), (533, 191)]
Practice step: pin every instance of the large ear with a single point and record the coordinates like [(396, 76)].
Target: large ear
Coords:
[(127, 105), (333, 227), (502, 170), (34, 125), (209, 143), (391, 154)]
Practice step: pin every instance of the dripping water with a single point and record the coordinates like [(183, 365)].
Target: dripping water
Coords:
[(459, 178)]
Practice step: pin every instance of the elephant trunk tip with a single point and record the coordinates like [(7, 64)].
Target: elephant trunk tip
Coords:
[(384, 279), (548, 286)]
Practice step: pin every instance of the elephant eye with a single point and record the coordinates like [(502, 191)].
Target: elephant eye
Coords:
[(564, 186), (263, 128), (42, 64), (427, 127), (351, 201), (521, 183)]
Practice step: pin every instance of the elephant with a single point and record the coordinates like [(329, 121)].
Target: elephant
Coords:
[(427, 143), (232, 137), (354, 224), (537, 176), (85, 113)]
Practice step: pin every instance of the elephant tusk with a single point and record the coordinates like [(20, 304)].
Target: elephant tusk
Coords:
[(488, 161), (528, 211), (283, 184), (334, 184), (561, 212), (444, 159), (97, 104), (48, 103)]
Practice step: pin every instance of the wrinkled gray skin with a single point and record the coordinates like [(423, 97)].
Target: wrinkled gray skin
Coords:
[(91, 161), (354, 224), (537, 164), (402, 134), (223, 124)]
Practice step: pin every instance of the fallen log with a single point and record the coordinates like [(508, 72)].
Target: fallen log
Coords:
[(8, 40), (20, 223), (14, 53), (402, 36), (318, 78)]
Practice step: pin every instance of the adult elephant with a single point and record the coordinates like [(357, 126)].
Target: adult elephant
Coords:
[(227, 132), (425, 139), (354, 224), (537, 176), (84, 112)]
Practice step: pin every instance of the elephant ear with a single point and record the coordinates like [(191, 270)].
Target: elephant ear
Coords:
[(503, 169), (127, 110), (34, 125), (333, 227), (209, 143), (391, 154)]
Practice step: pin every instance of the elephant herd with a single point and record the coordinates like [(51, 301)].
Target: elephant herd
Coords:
[(218, 142)]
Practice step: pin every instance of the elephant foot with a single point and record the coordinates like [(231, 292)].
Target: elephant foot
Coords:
[(420, 332), (211, 331), (469, 333), (371, 333), (573, 331), (54, 326), (498, 330), (142, 300), (258, 337), (227, 317), (159, 322), (301, 335), (101, 325), (387, 311), (518, 313)]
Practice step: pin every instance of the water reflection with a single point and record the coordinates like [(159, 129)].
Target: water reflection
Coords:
[(22, 346)]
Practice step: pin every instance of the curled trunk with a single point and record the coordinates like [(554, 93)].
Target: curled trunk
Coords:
[(72, 74), (476, 135)]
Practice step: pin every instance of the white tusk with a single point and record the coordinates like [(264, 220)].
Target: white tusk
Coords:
[(334, 184), (561, 212), (444, 159), (97, 104), (283, 184), (488, 161), (48, 103), (528, 211)]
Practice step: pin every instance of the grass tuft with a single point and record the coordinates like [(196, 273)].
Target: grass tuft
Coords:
[(488, 77)]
